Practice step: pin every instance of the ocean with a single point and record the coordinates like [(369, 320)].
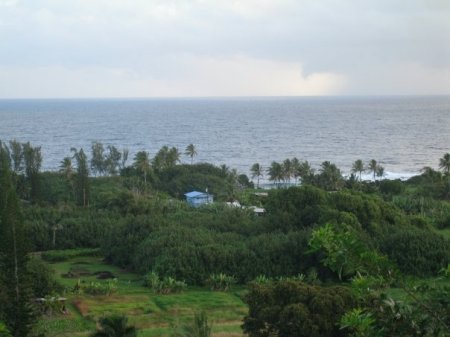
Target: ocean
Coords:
[(403, 134)]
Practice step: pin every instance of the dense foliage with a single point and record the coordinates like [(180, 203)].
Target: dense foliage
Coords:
[(288, 308), (329, 229)]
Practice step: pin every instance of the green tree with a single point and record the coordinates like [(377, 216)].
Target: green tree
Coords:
[(345, 254), (275, 172), (82, 188), (66, 169), (142, 164), (33, 160), (191, 151), (305, 172), (330, 177), (257, 172), (380, 171), (4, 332), (98, 159), (16, 155), (115, 326), (166, 158), (287, 169), (444, 163), (292, 308), (373, 168), (125, 154), (112, 160), (358, 167), (295, 168), (14, 280)]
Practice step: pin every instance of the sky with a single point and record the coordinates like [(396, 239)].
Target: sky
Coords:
[(203, 48)]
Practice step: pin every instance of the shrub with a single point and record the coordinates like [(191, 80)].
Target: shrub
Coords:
[(43, 277), (167, 285), (416, 251), (261, 279), (115, 326), (198, 328), (289, 308), (100, 288), (67, 254), (220, 281)]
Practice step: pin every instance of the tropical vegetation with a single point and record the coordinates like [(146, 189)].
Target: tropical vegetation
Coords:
[(332, 255)]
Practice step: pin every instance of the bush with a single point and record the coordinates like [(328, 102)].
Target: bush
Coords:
[(290, 308), (220, 281), (44, 282), (100, 288), (416, 251), (198, 328), (167, 285), (67, 254)]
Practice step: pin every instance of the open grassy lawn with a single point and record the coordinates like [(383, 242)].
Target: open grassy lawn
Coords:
[(152, 314)]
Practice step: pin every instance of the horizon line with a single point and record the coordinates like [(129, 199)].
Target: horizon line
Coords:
[(222, 97)]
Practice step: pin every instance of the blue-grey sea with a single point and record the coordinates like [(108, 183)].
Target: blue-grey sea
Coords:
[(404, 134)]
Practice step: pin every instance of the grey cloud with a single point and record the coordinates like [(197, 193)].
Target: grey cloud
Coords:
[(353, 38)]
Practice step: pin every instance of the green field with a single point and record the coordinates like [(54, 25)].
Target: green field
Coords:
[(152, 314)]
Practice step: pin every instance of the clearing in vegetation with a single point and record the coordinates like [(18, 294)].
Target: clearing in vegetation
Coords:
[(152, 314)]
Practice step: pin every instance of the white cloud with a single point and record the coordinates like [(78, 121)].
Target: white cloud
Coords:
[(404, 79), (8, 3), (199, 47), (242, 75), (236, 76)]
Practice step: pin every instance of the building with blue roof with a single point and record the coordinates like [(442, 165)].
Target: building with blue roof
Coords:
[(197, 199)]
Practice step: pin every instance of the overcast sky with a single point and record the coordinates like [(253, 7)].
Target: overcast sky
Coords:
[(150, 48)]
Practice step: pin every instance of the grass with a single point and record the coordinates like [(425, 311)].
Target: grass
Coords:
[(445, 233), (152, 314)]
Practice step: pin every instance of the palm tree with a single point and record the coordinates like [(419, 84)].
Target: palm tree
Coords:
[(191, 151), (358, 167), (82, 177), (330, 177), (173, 157), (305, 171), (257, 172), (287, 170), (275, 172), (115, 326), (295, 168), (373, 168), (444, 163), (380, 171), (142, 163), (431, 174), (166, 158), (66, 167)]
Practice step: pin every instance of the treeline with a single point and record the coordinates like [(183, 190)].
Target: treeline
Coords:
[(192, 245), (329, 176), (145, 175), (218, 239)]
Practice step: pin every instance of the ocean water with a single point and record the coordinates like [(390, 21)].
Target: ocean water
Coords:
[(404, 134)]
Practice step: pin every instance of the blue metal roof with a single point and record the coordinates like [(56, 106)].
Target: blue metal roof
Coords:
[(194, 194)]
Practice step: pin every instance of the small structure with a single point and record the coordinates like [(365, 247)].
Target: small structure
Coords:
[(197, 199), (234, 203), (259, 211)]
